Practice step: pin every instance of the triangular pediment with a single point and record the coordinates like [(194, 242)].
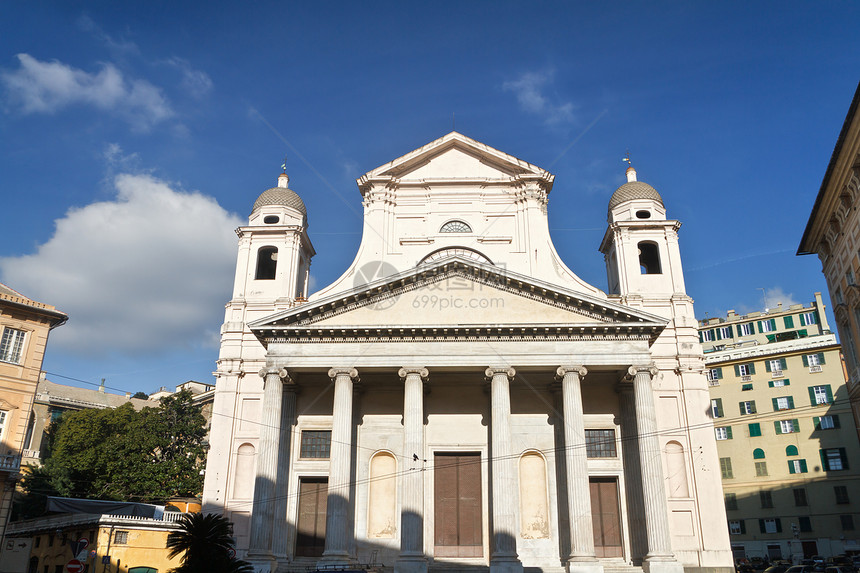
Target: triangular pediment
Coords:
[(456, 157), (457, 297)]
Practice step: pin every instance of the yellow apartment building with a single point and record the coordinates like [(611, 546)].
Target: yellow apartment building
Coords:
[(786, 436), (24, 328)]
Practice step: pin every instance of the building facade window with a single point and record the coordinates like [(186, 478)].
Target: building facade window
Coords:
[(3, 417), (761, 469), (714, 375), (717, 408), (600, 444), (820, 395), (805, 524), (841, 493), (120, 537), (779, 383), (847, 522), (455, 227), (11, 345), (786, 426), (776, 366), (267, 264), (747, 407), (767, 325), (724, 332), (316, 444), (708, 336), (783, 403), (791, 450), (808, 318), (746, 329), (800, 497), (724, 433), (755, 430), (771, 525), (747, 369), (834, 459), (829, 422), (731, 501), (797, 466), (736, 527), (726, 468)]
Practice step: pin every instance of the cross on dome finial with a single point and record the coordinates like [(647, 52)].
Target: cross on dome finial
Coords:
[(283, 178), (631, 173)]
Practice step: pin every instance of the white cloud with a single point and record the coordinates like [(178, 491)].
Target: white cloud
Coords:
[(529, 89), (775, 295), (147, 271), (196, 83), (47, 87)]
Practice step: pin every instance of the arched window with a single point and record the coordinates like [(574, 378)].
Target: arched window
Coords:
[(34, 565), (790, 451), (455, 227), (382, 498), (758, 454), (243, 480), (267, 263), (677, 470), (534, 507), (455, 251), (649, 258)]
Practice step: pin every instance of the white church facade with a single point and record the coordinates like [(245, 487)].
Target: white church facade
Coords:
[(459, 398)]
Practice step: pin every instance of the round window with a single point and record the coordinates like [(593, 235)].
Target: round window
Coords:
[(271, 219), (643, 214)]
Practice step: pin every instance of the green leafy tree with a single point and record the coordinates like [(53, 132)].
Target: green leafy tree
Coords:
[(123, 454), (205, 543), (141, 395)]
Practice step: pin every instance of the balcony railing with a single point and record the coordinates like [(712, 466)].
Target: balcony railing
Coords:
[(746, 378), (814, 368), (31, 454), (776, 373), (10, 462)]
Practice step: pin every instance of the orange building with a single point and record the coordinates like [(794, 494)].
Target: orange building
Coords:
[(24, 328)]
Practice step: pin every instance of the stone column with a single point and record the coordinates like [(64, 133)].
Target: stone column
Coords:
[(582, 558), (412, 558), (281, 533), (503, 553), (337, 524), (262, 512), (632, 473), (660, 558)]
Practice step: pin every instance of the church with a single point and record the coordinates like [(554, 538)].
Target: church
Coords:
[(459, 398)]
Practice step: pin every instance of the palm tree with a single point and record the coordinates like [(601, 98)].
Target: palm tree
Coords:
[(206, 545)]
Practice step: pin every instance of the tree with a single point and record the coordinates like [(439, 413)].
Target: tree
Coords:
[(206, 545), (141, 395), (123, 454)]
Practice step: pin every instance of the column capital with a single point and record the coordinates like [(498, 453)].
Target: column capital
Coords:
[(495, 371), (641, 368), (335, 372), (282, 373), (407, 370), (577, 368)]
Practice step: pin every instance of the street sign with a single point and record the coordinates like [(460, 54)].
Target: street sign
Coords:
[(74, 566), (106, 559), (78, 547)]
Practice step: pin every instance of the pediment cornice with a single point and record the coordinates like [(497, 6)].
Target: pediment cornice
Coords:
[(595, 318)]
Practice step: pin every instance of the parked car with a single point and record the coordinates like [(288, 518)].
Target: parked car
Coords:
[(839, 569), (776, 569), (800, 569)]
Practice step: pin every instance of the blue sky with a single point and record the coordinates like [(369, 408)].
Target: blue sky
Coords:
[(137, 135)]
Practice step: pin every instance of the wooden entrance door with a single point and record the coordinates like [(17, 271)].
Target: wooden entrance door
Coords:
[(310, 531), (457, 501), (605, 517)]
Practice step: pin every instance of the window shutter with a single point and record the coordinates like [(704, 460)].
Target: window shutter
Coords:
[(803, 466), (741, 408), (719, 407), (728, 432), (775, 404), (783, 363), (760, 329), (812, 395), (777, 427), (816, 423), (817, 319), (786, 382), (761, 526), (770, 337), (752, 406), (773, 324), (829, 394), (802, 320), (737, 370), (701, 338), (752, 367), (738, 327), (718, 373), (719, 336), (821, 358), (835, 421), (796, 425), (791, 467), (767, 365), (778, 525), (791, 402), (844, 458), (824, 465), (743, 525), (770, 383), (789, 322), (805, 360)]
